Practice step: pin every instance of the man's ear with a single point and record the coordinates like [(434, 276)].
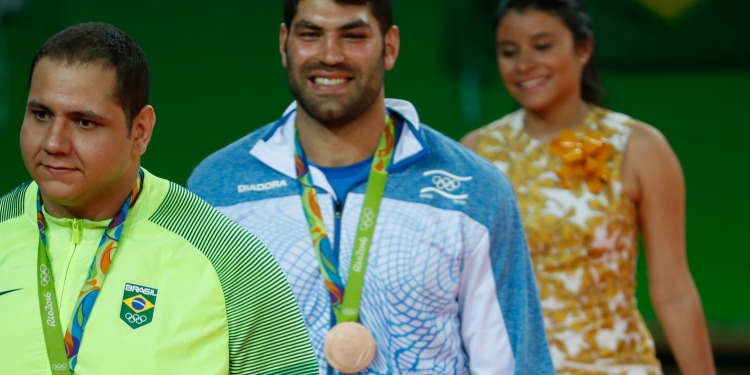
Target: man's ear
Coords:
[(143, 127), (392, 45), (283, 33)]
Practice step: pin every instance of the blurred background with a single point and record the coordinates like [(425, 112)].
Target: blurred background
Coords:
[(681, 65)]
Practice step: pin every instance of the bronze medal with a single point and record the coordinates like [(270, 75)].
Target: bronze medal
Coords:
[(349, 347)]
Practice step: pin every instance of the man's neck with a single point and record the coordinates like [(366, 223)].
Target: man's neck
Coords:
[(343, 144), (101, 208)]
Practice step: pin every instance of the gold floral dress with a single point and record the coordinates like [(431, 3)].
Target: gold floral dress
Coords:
[(582, 232)]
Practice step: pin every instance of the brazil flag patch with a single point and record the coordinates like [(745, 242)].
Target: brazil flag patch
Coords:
[(138, 304)]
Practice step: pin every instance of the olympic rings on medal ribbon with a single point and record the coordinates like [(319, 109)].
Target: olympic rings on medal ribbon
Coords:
[(43, 275), (59, 367), (368, 219)]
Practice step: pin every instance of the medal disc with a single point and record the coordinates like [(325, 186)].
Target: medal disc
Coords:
[(349, 347)]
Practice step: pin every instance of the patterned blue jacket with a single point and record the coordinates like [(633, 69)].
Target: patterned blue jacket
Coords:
[(449, 287)]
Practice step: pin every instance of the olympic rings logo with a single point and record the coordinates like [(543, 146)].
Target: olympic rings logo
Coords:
[(446, 183), (43, 275), (136, 318), (367, 219), (349, 311), (59, 367)]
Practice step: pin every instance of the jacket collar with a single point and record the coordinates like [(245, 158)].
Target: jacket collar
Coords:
[(276, 148)]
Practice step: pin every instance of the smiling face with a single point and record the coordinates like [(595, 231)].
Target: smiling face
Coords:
[(539, 62), (336, 57), (75, 140)]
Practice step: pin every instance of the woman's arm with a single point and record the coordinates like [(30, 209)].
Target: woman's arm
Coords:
[(653, 177)]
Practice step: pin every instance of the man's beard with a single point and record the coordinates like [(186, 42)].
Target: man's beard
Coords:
[(337, 111)]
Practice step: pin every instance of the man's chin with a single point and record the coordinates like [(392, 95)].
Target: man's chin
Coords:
[(58, 191), (328, 112)]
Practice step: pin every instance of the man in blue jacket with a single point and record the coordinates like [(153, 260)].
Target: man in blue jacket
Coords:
[(404, 250)]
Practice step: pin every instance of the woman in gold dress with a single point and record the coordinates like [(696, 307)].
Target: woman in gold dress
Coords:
[(589, 182)]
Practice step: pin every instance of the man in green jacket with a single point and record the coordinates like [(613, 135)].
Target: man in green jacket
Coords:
[(108, 269)]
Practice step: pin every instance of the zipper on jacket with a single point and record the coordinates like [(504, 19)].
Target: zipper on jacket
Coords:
[(338, 210), (76, 236), (77, 229)]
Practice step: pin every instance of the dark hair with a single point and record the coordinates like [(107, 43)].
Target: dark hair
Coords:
[(381, 9), (102, 43), (577, 20)]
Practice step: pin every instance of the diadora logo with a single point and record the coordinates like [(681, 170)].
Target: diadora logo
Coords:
[(263, 186), (138, 304), (446, 185)]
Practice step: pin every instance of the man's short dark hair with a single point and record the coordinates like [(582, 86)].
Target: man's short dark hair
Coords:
[(381, 9), (104, 44)]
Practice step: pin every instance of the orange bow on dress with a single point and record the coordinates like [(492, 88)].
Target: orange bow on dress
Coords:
[(585, 158)]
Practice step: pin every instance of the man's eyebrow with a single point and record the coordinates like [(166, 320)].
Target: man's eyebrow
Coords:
[(355, 25), (85, 114), (37, 105), (307, 25), (347, 26)]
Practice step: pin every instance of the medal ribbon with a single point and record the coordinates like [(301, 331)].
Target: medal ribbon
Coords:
[(346, 305), (63, 351)]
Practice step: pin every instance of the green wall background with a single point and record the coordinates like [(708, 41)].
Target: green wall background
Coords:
[(216, 75)]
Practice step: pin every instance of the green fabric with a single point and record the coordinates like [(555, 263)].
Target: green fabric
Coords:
[(470, 40), (7, 7), (4, 80), (671, 33), (629, 34), (223, 304)]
